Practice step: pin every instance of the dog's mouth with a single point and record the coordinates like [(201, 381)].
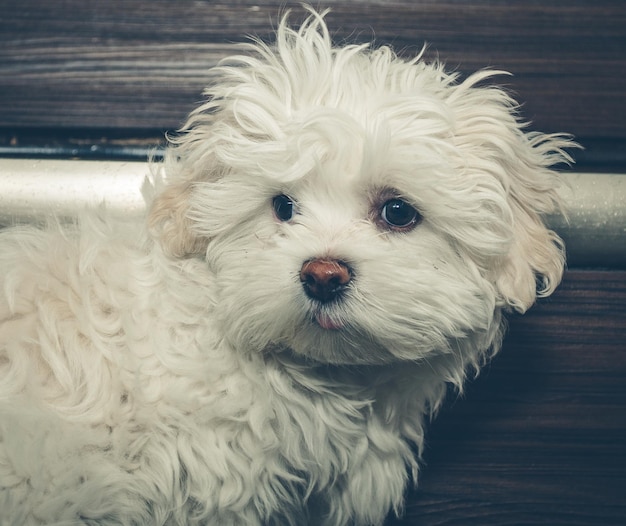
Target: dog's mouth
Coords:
[(328, 322)]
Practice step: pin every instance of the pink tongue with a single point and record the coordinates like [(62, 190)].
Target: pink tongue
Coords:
[(326, 322)]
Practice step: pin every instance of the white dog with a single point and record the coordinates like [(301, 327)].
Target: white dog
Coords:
[(337, 236)]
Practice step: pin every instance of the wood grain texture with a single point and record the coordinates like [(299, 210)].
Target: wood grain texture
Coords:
[(540, 437), (139, 64)]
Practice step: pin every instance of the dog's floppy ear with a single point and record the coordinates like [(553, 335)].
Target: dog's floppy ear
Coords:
[(494, 143), (534, 264), (189, 159), (536, 259), (170, 224)]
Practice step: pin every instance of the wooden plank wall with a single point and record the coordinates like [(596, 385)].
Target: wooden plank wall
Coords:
[(136, 68), (540, 436)]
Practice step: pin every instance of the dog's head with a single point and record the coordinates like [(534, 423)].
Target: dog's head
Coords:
[(359, 208)]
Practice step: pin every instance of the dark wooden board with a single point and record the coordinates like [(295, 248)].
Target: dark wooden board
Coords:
[(139, 64), (540, 437)]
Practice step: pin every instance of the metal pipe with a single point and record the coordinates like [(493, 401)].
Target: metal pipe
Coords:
[(595, 232), (30, 190)]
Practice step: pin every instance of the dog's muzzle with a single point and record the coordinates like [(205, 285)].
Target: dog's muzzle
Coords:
[(325, 280)]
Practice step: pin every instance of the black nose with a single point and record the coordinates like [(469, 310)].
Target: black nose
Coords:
[(324, 279)]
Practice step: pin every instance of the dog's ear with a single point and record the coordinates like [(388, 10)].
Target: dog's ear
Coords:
[(170, 224), (189, 159), (494, 143), (535, 262)]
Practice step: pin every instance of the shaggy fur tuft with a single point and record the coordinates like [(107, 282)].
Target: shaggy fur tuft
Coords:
[(198, 371)]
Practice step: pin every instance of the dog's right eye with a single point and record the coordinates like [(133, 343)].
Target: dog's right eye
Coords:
[(283, 207), (398, 215)]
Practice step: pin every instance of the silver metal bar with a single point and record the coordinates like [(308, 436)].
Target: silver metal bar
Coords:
[(595, 233), (30, 190)]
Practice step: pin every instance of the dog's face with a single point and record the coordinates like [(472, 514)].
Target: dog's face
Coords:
[(338, 254), (357, 208)]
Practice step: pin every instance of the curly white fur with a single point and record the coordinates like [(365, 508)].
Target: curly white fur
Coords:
[(175, 373)]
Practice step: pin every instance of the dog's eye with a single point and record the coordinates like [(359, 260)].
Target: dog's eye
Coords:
[(283, 207), (399, 215)]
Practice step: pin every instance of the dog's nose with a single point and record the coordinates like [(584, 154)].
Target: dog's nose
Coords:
[(324, 279)]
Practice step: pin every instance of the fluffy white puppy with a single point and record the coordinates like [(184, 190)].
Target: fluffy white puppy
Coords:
[(337, 236)]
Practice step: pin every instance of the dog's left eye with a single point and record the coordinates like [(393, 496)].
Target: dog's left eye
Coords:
[(283, 207), (399, 215)]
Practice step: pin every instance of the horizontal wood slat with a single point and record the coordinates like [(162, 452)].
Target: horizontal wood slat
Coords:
[(143, 64)]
